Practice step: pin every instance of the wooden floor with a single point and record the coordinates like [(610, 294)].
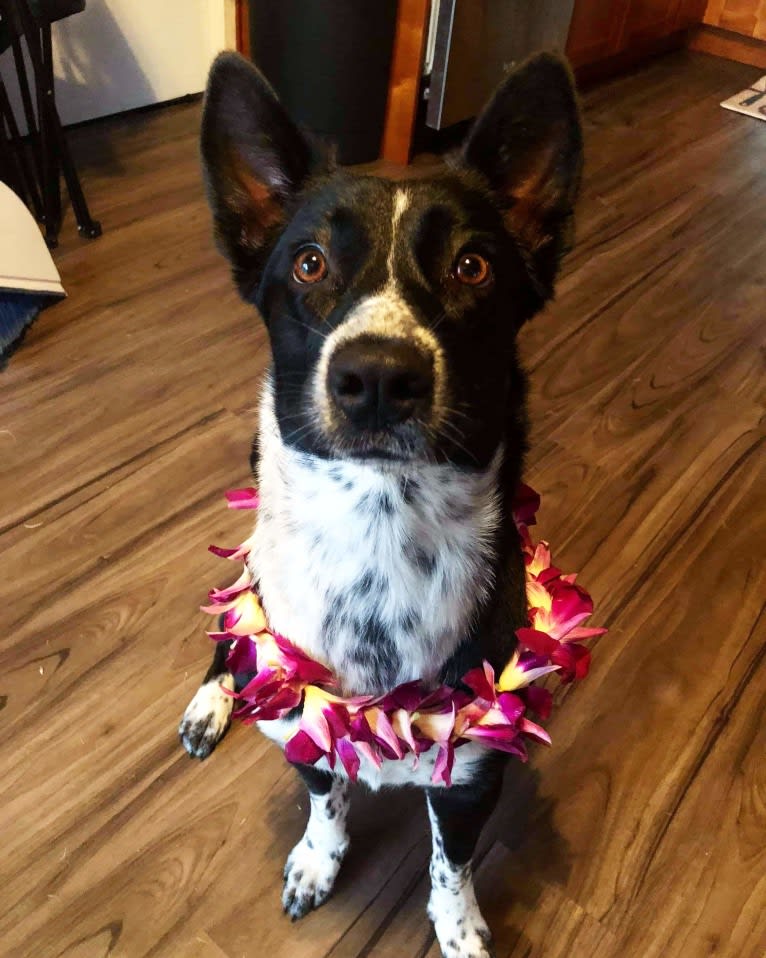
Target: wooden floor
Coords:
[(129, 410)]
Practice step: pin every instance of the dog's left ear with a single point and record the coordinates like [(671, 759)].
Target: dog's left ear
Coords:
[(527, 143)]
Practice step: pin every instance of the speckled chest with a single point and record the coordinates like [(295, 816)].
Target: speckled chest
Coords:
[(376, 572)]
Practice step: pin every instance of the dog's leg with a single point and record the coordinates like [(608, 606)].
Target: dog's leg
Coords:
[(457, 816), (208, 715), (313, 864)]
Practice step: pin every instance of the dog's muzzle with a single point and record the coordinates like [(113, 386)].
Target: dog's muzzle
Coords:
[(377, 383)]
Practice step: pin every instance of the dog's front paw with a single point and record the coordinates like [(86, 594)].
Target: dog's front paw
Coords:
[(459, 926), (310, 874), (207, 717)]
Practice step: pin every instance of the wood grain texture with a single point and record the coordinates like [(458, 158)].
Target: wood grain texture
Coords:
[(243, 27), (747, 17), (731, 46), (128, 410), (404, 82)]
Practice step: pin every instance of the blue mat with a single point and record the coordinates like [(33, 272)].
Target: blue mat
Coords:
[(17, 313)]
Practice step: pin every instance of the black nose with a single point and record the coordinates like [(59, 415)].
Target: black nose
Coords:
[(377, 383)]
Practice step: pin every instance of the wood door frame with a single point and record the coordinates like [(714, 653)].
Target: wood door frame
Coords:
[(242, 26), (404, 81)]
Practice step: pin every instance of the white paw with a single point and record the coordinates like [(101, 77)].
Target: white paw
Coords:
[(310, 874), (207, 717), (458, 923)]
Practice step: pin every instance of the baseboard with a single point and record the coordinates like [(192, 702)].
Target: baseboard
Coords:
[(590, 73), (728, 45)]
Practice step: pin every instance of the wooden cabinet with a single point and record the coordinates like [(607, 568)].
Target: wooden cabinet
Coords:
[(649, 19), (601, 29), (747, 17), (595, 31), (690, 14)]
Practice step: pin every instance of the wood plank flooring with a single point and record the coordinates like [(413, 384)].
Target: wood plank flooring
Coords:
[(129, 409)]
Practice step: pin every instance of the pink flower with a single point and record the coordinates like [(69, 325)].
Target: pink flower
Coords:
[(243, 655), (241, 552), (525, 505), (539, 561), (299, 665), (243, 498), (302, 749), (245, 616), (523, 669), (411, 719)]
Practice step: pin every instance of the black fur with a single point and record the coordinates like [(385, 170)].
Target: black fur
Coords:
[(508, 198), (463, 810)]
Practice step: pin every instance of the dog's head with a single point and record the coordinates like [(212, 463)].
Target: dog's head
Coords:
[(393, 307)]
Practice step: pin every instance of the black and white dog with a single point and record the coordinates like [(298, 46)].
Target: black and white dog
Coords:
[(392, 426)]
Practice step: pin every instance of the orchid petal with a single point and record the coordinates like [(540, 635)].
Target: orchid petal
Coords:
[(526, 678), (512, 706), (481, 682), (437, 726), (504, 738), (242, 584), (541, 559), (239, 553), (408, 696), (443, 765), (301, 749), (242, 498), (243, 656), (369, 752), (525, 505), (304, 667), (401, 721), (246, 617), (536, 641), (257, 683), (534, 731), (349, 758), (383, 731), (314, 721), (539, 700)]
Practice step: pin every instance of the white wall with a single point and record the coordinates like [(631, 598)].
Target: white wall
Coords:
[(122, 54)]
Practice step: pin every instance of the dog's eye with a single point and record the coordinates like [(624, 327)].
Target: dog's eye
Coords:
[(472, 269), (309, 266)]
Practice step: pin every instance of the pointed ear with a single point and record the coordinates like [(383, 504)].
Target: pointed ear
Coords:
[(254, 160), (527, 143)]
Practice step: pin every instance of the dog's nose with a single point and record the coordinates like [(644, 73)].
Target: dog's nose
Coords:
[(377, 383)]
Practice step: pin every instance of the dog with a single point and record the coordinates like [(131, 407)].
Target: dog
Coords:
[(392, 427)]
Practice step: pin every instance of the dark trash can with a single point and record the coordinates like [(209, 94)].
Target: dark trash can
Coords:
[(329, 61)]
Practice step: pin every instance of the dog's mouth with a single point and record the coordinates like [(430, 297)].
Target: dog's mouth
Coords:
[(409, 444)]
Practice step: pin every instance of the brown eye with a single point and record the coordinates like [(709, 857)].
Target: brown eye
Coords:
[(309, 266), (472, 269)]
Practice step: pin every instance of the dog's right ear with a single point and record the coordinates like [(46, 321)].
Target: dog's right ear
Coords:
[(254, 159)]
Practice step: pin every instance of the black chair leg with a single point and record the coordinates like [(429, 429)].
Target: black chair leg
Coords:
[(86, 225), (31, 120), (51, 172), (17, 172), (54, 154)]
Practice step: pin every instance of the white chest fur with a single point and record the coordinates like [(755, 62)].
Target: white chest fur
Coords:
[(377, 573)]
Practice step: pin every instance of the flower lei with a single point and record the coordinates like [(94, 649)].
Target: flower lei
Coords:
[(411, 719)]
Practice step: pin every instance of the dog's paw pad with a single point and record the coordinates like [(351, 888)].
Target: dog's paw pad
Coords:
[(462, 932), (310, 874), (207, 717)]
